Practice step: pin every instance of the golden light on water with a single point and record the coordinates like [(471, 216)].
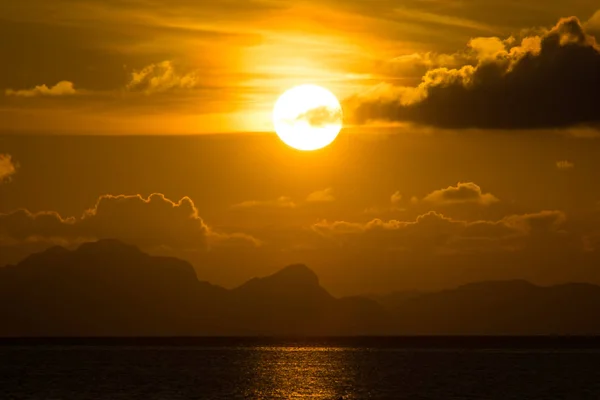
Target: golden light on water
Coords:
[(307, 117), (302, 372)]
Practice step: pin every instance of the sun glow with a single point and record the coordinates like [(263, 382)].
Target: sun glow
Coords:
[(307, 117)]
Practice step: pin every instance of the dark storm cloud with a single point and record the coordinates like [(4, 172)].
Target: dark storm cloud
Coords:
[(147, 222), (547, 81)]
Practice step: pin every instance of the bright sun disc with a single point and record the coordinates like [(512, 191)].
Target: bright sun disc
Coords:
[(307, 117)]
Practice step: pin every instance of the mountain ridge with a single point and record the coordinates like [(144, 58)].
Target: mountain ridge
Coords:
[(109, 288)]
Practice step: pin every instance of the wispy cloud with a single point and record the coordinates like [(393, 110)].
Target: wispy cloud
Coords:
[(321, 196), (161, 77), (281, 202), (441, 19), (565, 165)]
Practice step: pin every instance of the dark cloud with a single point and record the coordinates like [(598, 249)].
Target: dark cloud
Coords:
[(23, 225), (147, 222), (7, 167), (547, 81), (467, 192)]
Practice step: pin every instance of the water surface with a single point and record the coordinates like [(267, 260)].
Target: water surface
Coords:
[(295, 372)]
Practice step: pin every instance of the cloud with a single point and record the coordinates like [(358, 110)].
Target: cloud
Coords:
[(434, 230), (285, 202), (23, 225), (236, 240), (149, 222), (419, 63), (281, 202), (593, 25), (439, 19), (7, 167), (161, 77), (394, 206), (63, 88), (551, 80), (321, 196), (462, 193), (537, 223), (565, 165), (321, 116)]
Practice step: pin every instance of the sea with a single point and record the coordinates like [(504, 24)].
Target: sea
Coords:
[(333, 369)]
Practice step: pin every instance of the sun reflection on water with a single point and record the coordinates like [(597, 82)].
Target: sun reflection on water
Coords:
[(302, 373)]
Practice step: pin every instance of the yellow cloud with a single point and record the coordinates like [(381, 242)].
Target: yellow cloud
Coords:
[(63, 88), (467, 192), (161, 77), (7, 167)]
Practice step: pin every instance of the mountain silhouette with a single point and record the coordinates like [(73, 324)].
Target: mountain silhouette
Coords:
[(503, 308), (291, 298), (108, 288)]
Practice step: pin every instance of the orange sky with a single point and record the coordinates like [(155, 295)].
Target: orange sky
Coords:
[(110, 66), (470, 149)]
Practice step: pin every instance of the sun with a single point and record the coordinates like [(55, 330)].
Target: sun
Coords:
[(307, 117)]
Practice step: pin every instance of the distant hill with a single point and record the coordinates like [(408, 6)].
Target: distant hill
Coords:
[(108, 288), (503, 308)]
